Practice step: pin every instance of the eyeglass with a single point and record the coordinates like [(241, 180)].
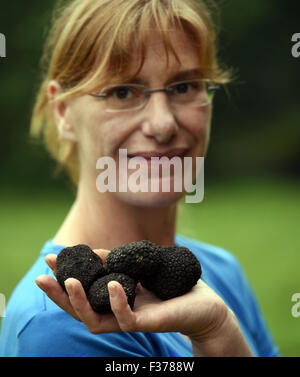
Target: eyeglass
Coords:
[(128, 97)]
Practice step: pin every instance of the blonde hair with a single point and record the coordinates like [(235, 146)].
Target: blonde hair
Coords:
[(91, 42)]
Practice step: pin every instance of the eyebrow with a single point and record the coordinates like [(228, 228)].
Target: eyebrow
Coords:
[(183, 75)]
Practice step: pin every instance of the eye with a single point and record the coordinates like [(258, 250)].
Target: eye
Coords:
[(184, 87), (121, 92)]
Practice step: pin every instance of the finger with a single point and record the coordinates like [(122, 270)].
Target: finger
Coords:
[(50, 259), (55, 292), (95, 322), (120, 307)]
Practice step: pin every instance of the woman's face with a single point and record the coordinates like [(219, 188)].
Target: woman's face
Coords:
[(155, 130)]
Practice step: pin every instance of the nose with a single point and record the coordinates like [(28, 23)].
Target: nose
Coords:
[(159, 121)]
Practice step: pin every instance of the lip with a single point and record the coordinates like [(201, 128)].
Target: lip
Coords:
[(176, 152)]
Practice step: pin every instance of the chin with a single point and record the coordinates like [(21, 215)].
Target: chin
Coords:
[(157, 193), (150, 199)]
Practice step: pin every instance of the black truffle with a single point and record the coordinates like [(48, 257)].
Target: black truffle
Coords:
[(98, 295), (136, 259), (178, 273), (167, 271), (81, 263)]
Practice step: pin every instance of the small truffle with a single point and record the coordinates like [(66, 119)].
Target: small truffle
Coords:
[(98, 294), (81, 263), (178, 273), (135, 259)]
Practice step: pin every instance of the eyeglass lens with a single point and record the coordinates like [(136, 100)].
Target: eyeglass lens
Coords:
[(131, 96)]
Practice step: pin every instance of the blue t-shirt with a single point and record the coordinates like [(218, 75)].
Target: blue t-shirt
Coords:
[(36, 326)]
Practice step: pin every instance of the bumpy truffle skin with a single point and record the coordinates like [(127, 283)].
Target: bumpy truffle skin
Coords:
[(81, 263), (98, 295), (179, 272), (135, 259)]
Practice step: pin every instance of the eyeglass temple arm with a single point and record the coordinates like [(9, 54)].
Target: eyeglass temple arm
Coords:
[(215, 87), (149, 91)]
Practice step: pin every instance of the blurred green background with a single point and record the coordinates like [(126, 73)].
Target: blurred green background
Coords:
[(252, 185)]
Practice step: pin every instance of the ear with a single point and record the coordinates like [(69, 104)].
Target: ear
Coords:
[(59, 109)]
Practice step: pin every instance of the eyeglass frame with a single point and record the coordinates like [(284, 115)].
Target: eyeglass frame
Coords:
[(148, 92)]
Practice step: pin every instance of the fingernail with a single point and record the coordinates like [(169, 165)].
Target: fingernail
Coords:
[(69, 288), (40, 284), (112, 289)]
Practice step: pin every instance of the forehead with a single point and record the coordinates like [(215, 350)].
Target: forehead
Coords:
[(159, 61)]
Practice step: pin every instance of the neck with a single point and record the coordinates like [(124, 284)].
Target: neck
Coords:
[(103, 221)]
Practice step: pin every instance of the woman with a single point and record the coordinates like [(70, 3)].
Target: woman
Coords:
[(134, 75)]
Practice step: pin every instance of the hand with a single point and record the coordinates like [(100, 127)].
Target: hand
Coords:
[(149, 314), (200, 314)]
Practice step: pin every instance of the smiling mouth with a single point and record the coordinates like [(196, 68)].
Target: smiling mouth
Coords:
[(178, 152)]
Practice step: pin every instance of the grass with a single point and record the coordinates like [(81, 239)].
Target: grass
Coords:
[(256, 220)]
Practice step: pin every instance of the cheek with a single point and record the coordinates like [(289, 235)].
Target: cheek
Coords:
[(197, 123), (116, 130), (95, 133)]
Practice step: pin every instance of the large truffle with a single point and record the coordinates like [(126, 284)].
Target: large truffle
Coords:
[(98, 294), (178, 273), (81, 263), (136, 259)]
